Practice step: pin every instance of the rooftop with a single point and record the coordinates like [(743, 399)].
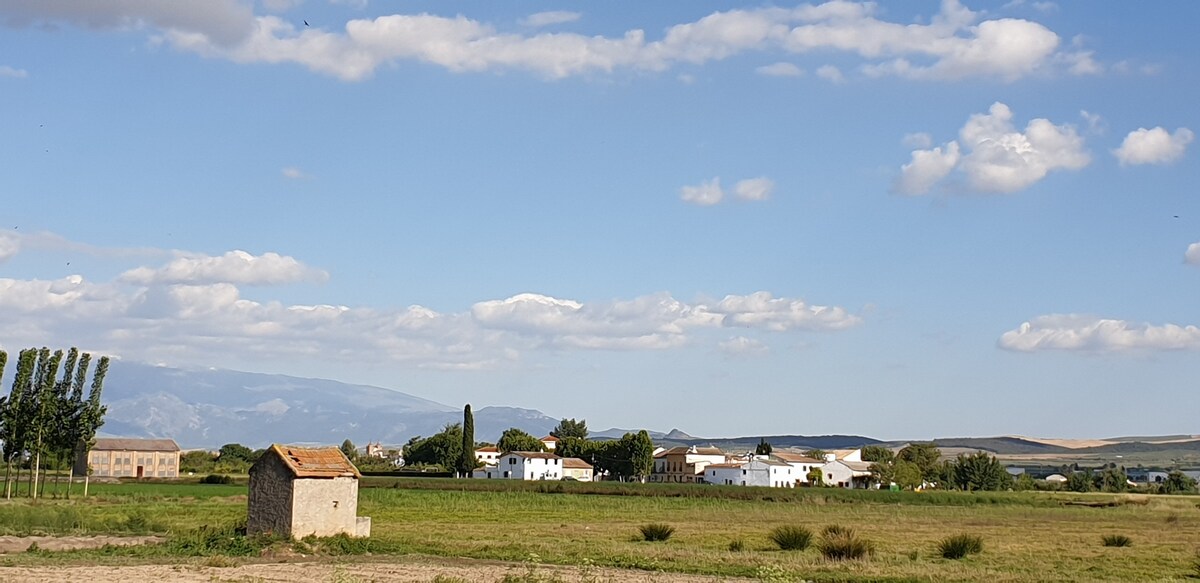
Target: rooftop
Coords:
[(315, 462), (110, 444)]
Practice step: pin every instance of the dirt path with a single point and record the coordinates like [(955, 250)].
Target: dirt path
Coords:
[(423, 569), (20, 544)]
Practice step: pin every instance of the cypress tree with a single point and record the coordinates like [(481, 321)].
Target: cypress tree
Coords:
[(466, 460)]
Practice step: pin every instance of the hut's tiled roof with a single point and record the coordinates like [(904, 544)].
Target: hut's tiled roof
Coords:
[(315, 462)]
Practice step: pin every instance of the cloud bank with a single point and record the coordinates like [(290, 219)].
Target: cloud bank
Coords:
[(956, 43), (1073, 332)]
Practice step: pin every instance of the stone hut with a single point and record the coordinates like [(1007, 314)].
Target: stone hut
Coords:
[(298, 491)]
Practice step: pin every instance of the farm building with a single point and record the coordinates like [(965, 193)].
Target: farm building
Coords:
[(298, 491), (577, 469), (130, 458)]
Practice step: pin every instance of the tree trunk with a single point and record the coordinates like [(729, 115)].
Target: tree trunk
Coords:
[(7, 484), (85, 484), (33, 475)]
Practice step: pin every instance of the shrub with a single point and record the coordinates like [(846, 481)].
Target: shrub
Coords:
[(216, 479), (736, 545), (792, 538), (839, 543), (206, 541), (1117, 540), (657, 531), (960, 545)]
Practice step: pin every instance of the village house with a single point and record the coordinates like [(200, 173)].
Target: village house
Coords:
[(376, 450), (524, 465), (301, 491), (577, 469), (549, 442), (487, 455), (130, 458), (845, 469), (684, 465), (801, 463), (752, 472)]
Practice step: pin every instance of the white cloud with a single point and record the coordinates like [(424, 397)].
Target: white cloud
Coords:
[(917, 140), (7, 71), (1090, 334), (10, 245), (238, 267), (201, 322), (927, 168), (1192, 255), (780, 69), (754, 188), (222, 22), (1095, 122), (831, 74), (294, 173), (995, 156), (707, 193), (742, 346), (955, 43), (550, 18), (1153, 146)]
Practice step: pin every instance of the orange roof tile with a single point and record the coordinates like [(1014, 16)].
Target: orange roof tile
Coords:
[(315, 462)]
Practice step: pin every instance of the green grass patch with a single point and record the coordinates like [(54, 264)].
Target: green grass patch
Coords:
[(960, 545), (656, 531), (791, 538), (1116, 540)]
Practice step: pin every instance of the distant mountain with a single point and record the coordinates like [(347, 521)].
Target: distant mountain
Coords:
[(209, 408)]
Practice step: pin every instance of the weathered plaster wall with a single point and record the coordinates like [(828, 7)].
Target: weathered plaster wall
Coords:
[(324, 507)]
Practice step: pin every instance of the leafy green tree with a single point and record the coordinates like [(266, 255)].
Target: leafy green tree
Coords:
[(980, 471), (235, 453), (349, 450), (816, 477), (877, 454), (1024, 483), (641, 453), (467, 461), (576, 447), (815, 453), (570, 428), (1178, 482), (763, 448), (442, 449), (906, 475), (514, 439), (1081, 481), (925, 455), (1112, 479), (198, 462)]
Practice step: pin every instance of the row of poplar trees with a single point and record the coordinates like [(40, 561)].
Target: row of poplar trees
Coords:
[(45, 421)]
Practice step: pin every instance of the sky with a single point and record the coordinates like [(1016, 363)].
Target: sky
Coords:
[(895, 219)]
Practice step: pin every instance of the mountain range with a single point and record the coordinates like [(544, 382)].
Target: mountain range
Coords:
[(207, 408)]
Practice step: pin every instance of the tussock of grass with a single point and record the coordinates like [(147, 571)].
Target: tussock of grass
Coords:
[(791, 538), (960, 545), (736, 545), (1117, 540), (656, 531), (839, 543)]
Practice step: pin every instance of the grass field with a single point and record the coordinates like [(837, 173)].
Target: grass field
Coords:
[(1026, 536)]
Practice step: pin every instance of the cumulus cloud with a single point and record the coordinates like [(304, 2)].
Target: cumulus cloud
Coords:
[(10, 245), (742, 346), (707, 193), (955, 44), (237, 267), (831, 74), (780, 69), (550, 18), (1086, 333), (1153, 146), (7, 71), (1191, 256), (995, 156), (754, 189), (917, 140)]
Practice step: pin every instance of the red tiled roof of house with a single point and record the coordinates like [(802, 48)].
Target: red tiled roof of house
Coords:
[(574, 463), (111, 444)]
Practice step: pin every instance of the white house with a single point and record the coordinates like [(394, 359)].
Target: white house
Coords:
[(488, 455), (801, 464), (754, 472), (846, 474), (526, 465), (549, 442), (684, 464)]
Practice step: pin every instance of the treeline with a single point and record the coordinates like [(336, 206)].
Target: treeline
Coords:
[(45, 420), (630, 457)]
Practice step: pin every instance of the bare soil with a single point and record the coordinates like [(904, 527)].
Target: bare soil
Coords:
[(20, 544), (423, 569)]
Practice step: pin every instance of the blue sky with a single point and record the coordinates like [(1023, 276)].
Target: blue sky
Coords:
[(902, 220)]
